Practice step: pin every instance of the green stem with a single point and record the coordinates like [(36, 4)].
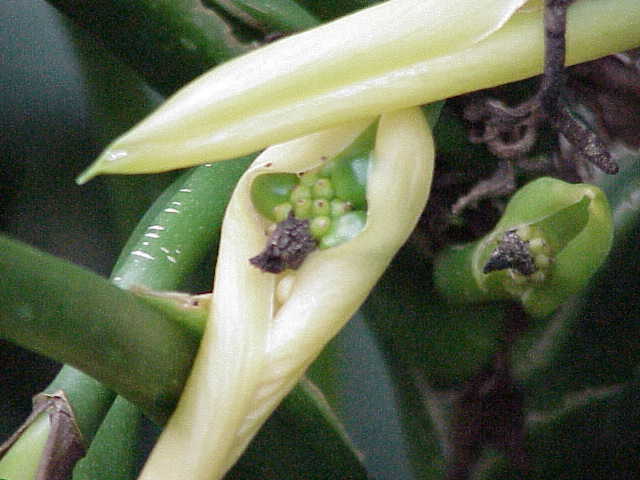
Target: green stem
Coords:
[(14, 464), (36, 281), (179, 229), (113, 454), (169, 42), (89, 398), (194, 39), (271, 15)]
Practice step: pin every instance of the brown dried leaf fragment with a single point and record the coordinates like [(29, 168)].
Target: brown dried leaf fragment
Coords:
[(287, 246), (511, 132), (64, 445)]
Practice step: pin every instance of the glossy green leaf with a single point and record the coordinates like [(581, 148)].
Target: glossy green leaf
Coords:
[(430, 346), (179, 229), (594, 436)]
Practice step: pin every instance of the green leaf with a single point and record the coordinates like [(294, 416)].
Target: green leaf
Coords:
[(593, 436), (280, 16), (328, 10), (75, 316), (430, 346), (179, 229)]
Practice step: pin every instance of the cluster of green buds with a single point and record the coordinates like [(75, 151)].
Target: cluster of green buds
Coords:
[(323, 206), (551, 240)]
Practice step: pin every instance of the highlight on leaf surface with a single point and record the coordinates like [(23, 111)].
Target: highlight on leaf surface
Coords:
[(393, 55), (551, 240), (269, 328)]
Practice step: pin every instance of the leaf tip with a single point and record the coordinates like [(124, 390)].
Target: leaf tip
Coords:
[(110, 161), (87, 175)]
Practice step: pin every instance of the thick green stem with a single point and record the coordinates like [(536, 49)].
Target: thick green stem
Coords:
[(113, 454), (89, 398), (204, 193), (30, 445), (271, 15), (83, 318)]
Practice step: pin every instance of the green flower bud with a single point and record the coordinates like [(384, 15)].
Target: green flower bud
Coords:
[(550, 241), (271, 190), (320, 207), (319, 226), (251, 353), (322, 188), (311, 195), (300, 192), (302, 208), (344, 228)]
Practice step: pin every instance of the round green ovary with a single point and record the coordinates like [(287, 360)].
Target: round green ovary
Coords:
[(320, 207)]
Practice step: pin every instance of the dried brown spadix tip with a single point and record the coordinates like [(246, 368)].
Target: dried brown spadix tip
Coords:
[(586, 141), (287, 246), (512, 252)]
